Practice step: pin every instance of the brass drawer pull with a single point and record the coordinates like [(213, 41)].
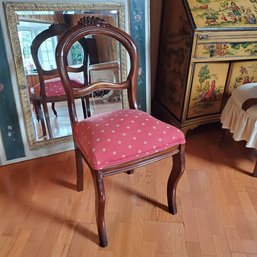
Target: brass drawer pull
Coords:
[(203, 37)]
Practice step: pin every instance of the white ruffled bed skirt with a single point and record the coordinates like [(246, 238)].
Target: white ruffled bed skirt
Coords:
[(242, 124)]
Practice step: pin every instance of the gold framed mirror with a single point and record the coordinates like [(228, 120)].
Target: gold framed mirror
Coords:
[(25, 21)]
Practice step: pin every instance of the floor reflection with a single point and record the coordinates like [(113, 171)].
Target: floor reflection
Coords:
[(61, 124)]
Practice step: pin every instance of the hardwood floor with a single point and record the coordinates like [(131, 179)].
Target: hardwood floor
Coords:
[(42, 215)]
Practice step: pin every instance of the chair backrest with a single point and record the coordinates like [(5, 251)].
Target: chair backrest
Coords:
[(55, 29), (96, 26)]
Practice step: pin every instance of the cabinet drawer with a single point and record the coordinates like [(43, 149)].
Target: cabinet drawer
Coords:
[(228, 46)]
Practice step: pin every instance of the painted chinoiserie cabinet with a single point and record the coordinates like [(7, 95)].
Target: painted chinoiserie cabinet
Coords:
[(207, 48)]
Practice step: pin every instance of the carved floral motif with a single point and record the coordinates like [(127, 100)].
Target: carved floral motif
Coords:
[(93, 21)]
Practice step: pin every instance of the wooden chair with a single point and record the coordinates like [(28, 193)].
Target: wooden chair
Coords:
[(121, 140), (240, 116), (51, 89)]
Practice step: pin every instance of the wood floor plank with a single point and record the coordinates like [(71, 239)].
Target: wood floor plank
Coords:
[(31, 249), (6, 245), (19, 244), (62, 245), (170, 239), (222, 247), (189, 220), (193, 249), (206, 238), (243, 255), (149, 249), (81, 237)]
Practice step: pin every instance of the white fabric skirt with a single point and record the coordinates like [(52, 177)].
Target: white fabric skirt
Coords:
[(242, 124)]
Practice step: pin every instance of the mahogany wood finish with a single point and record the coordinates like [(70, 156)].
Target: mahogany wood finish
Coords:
[(96, 26), (248, 103), (255, 169), (54, 30), (130, 172)]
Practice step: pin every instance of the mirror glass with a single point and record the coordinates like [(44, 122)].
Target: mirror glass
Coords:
[(106, 61)]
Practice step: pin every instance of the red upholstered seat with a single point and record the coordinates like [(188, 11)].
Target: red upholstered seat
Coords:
[(123, 135), (54, 87)]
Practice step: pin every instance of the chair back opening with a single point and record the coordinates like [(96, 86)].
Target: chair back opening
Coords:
[(96, 27)]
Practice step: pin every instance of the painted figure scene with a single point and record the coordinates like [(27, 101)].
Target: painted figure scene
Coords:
[(227, 49), (243, 73), (220, 13), (207, 90)]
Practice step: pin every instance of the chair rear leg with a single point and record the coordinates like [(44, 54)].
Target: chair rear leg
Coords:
[(84, 108), (224, 137), (54, 110), (79, 168), (36, 104), (48, 124), (176, 173), (88, 106), (100, 207), (255, 169), (41, 117)]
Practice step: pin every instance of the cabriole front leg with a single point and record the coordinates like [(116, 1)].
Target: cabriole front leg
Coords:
[(176, 173), (100, 207)]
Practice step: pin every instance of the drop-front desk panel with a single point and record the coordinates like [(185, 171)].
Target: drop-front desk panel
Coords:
[(206, 51)]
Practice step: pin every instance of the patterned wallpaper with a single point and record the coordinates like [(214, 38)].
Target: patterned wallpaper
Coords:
[(137, 28), (9, 125)]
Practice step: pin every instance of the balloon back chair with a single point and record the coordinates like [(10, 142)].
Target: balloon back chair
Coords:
[(121, 140), (50, 88), (240, 116)]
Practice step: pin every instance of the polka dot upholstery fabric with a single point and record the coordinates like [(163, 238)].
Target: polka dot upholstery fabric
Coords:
[(54, 87), (123, 135)]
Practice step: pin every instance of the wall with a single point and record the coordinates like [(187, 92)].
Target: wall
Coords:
[(138, 23), (9, 122)]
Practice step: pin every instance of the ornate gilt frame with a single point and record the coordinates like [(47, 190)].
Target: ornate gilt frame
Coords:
[(10, 9)]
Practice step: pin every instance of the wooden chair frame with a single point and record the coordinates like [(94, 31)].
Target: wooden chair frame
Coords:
[(94, 26)]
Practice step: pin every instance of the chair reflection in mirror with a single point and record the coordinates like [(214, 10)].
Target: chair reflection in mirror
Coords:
[(240, 116), (103, 66), (107, 72), (121, 140), (50, 88)]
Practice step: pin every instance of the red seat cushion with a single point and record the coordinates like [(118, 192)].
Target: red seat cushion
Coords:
[(123, 135), (54, 87)]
